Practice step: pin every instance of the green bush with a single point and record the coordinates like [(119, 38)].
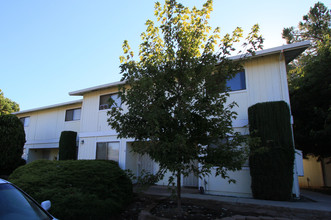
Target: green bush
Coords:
[(67, 145), (78, 189), (271, 153), (12, 140)]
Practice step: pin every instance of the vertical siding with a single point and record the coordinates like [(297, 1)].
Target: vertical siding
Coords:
[(87, 151), (89, 112), (94, 127), (49, 123), (264, 79), (219, 186), (93, 118)]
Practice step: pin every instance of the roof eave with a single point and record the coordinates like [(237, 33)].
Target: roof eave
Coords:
[(291, 51), (49, 107), (95, 88)]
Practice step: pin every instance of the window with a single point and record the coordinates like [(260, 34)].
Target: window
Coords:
[(15, 204), (25, 121), (105, 101), (108, 151), (238, 82), (73, 114)]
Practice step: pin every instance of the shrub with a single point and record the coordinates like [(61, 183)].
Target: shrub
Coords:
[(67, 145), (272, 154), (78, 189), (12, 140)]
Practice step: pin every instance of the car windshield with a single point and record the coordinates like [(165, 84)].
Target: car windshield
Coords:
[(15, 205)]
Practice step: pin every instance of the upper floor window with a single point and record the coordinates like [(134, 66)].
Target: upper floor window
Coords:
[(25, 121), (73, 114), (238, 82), (105, 101)]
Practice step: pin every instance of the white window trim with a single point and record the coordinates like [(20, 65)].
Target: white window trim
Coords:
[(72, 109), (106, 109), (119, 147)]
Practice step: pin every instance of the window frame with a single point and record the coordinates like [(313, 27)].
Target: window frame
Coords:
[(243, 85), (24, 121), (106, 157), (73, 114), (105, 106)]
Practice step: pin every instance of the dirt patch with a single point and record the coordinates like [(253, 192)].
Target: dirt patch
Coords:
[(165, 207), (190, 210), (139, 203), (146, 206)]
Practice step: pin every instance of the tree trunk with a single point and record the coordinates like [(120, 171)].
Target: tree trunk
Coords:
[(323, 172), (179, 199)]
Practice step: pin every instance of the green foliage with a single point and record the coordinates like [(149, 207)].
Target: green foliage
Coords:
[(315, 26), (12, 140), (176, 92), (272, 152), (67, 145), (78, 189), (7, 106), (311, 105), (310, 83)]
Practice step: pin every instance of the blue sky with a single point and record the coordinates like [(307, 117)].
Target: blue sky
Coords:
[(51, 47)]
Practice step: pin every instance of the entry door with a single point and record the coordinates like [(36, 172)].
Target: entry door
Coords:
[(191, 180), (145, 163)]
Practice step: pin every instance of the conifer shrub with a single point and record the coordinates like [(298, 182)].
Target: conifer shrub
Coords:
[(271, 151), (12, 140), (68, 146), (78, 189)]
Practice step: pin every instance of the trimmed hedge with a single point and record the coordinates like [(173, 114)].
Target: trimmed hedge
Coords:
[(67, 145), (272, 153), (78, 189), (12, 140)]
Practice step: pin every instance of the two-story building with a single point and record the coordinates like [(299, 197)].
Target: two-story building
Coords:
[(264, 79)]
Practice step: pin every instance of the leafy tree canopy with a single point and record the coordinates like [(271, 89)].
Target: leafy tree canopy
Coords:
[(310, 82), (7, 106), (315, 25), (12, 139), (311, 104), (175, 93)]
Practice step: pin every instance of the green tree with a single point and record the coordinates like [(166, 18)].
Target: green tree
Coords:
[(12, 140), (311, 105), (314, 27), (176, 93), (7, 106), (310, 82)]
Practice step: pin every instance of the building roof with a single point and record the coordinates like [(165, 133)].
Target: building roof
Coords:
[(96, 88), (49, 107), (291, 51)]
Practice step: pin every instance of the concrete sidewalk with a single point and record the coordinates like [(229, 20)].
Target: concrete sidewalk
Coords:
[(313, 203)]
